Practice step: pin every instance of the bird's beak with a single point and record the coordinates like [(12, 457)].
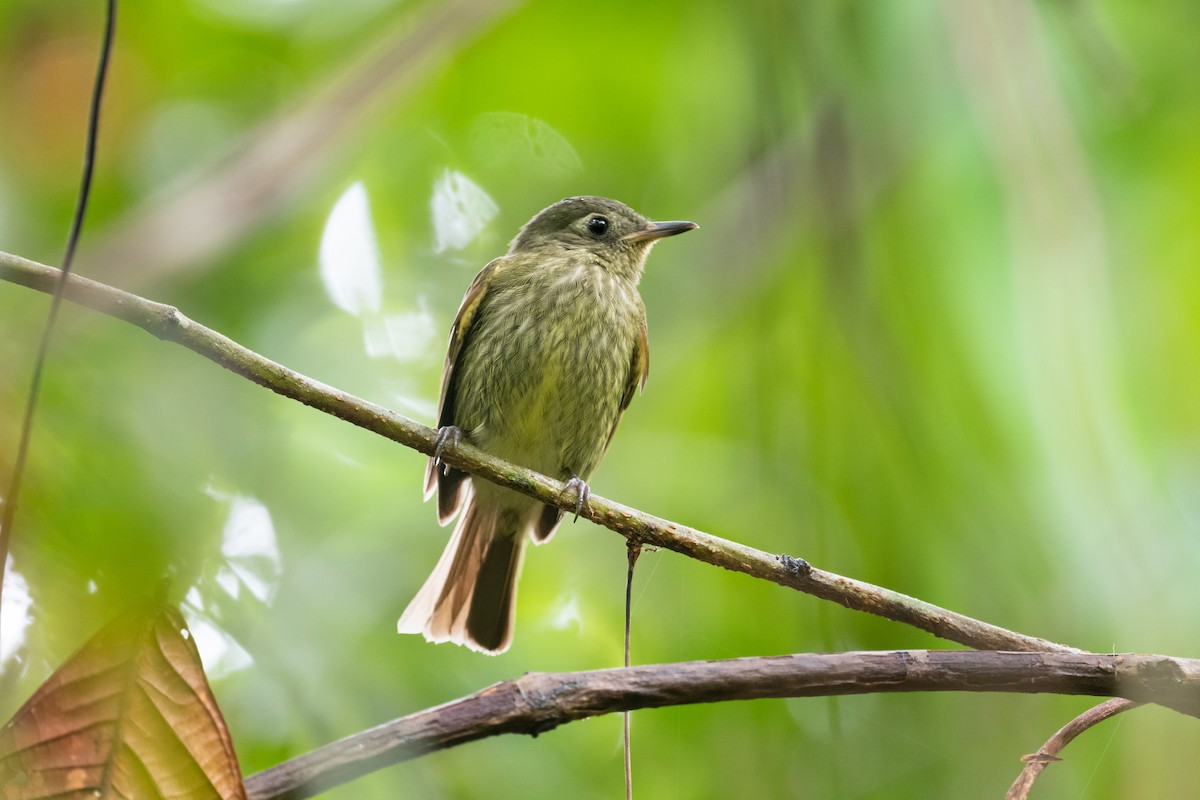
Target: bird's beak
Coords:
[(659, 230)]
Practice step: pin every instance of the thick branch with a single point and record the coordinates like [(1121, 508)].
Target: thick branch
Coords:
[(537, 702), (166, 322)]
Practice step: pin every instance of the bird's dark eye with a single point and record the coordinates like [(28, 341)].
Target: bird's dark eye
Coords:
[(597, 226)]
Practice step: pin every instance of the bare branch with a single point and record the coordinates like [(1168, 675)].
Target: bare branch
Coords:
[(166, 322), (538, 702), (1037, 762)]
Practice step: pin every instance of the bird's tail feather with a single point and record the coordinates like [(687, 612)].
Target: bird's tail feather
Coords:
[(470, 597)]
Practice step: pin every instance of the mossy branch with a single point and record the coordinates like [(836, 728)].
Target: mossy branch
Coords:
[(167, 323)]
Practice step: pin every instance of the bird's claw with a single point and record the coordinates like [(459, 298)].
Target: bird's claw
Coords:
[(446, 433), (582, 493)]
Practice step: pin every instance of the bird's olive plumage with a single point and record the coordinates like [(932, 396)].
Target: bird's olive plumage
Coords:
[(545, 354)]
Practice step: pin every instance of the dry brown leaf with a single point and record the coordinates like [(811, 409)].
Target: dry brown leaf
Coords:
[(130, 715)]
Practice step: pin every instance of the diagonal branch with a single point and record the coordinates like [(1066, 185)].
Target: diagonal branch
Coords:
[(167, 323), (539, 702)]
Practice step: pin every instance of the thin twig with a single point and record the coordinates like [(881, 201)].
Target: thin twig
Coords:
[(536, 703), (8, 514), (166, 322), (1048, 754), (633, 549)]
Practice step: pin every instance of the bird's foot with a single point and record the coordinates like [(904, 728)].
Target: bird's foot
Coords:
[(451, 434), (582, 493)]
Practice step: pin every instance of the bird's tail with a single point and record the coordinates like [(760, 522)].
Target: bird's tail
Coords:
[(470, 597)]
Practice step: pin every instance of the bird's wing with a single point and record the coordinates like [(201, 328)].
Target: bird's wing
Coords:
[(449, 482), (639, 366), (639, 371)]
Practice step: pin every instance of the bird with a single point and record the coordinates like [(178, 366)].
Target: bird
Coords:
[(546, 352)]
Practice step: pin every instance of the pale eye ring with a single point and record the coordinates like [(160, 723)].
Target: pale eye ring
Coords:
[(597, 226)]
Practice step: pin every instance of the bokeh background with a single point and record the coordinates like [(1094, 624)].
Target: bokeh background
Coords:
[(937, 332)]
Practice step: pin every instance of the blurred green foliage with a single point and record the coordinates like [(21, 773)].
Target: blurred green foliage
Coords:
[(938, 332)]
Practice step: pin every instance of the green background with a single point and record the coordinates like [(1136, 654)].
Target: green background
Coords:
[(937, 332)]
